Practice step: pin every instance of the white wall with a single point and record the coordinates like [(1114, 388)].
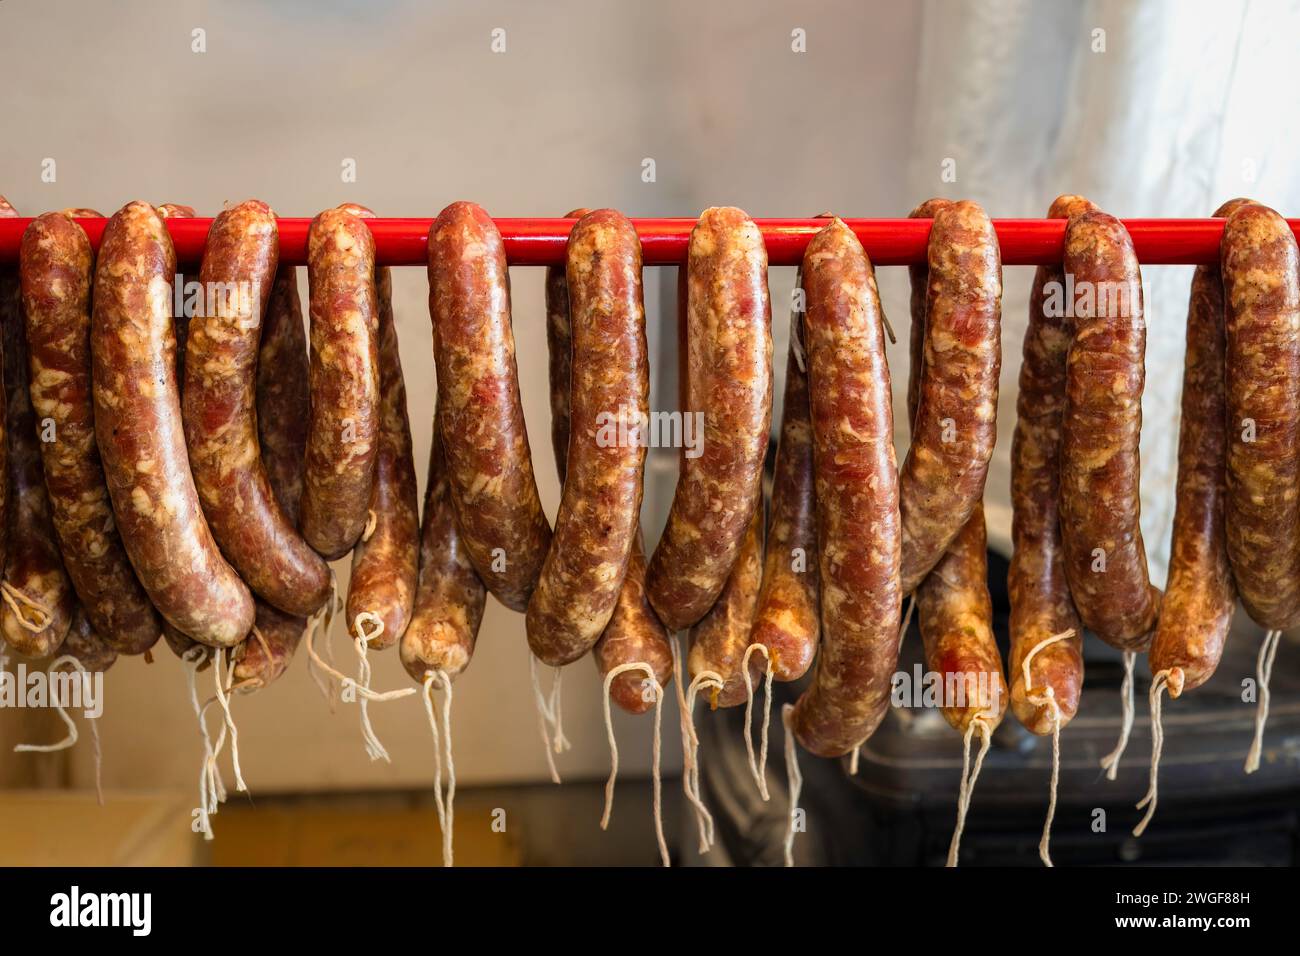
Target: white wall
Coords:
[(411, 91)]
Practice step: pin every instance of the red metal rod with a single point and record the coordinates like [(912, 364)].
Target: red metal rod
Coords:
[(541, 242)]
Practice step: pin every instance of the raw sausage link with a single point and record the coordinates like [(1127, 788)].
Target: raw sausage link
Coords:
[(1261, 292), (599, 511), (140, 435), (57, 271), (385, 561), (729, 384), (283, 406), (634, 633), (32, 566), (485, 442), (343, 431), (787, 621), (718, 640), (1105, 559), (93, 652), (1200, 598), (261, 664), (1041, 606), (449, 598), (956, 417), (171, 210), (954, 610), (220, 416), (956, 616), (856, 475)]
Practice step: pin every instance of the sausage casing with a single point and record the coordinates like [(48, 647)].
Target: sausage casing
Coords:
[(1105, 559), (956, 414), (1200, 597), (343, 430), (729, 376), (57, 271), (1041, 606), (220, 415), (609, 396), (141, 439), (385, 561), (788, 619), (449, 597), (1261, 293), (856, 475), (482, 420)]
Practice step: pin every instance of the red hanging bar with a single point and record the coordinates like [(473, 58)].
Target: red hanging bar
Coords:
[(541, 242)]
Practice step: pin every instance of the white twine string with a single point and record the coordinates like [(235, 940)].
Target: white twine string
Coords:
[(1157, 747), (1110, 762), (691, 743), (794, 779), (324, 618), (757, 767), (968, 778), (218, 671), (1264, 668), (613, 752), (15, 597), (853, 760), (70, 739), (361, 685), (192, 660), (1048, 699), (374, 748), (549, 716), (446, 805)]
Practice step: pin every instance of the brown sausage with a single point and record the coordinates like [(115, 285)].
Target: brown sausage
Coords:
[(1200, 598), (634, 632), (729, 371), (220, 416), (718, 640), (343, 430), (954, 610), (385, 561), (1041, 606), (1261, 292), (449, 598), (856, 477), (956, 415), (141, 438), (788, 619), (283, 404), (93, 652), (34, 578), (57, 271), (1105, 559), (609, 400), (485, 441)]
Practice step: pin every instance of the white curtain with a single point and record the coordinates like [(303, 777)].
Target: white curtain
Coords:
[(1149, 109)]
